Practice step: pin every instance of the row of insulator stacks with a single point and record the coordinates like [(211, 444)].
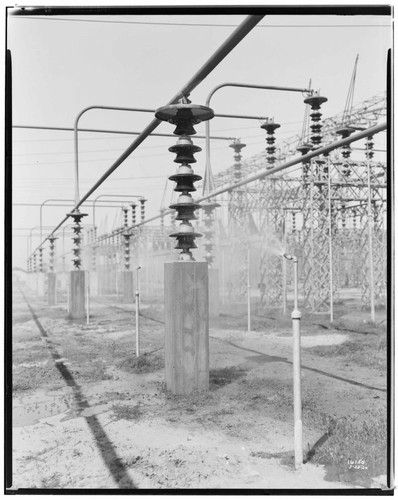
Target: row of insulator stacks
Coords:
[(270, 126), (126, 237), (184, 115), (208, 209), (345, 132), (40, 260), (314, 101), (52, 239), (142, 201), (369, 147), (237, 146), (77, 239)]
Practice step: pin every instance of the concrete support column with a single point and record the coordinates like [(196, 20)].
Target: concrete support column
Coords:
[(77, 294), (186, 327), (40, 284), (127, 287), (214, 293), (52, 288)]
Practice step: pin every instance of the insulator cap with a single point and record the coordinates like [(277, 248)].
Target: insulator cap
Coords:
[(345, 131), (270, 127), (304, 148), (237, 146), (315, 100), (184, 116)]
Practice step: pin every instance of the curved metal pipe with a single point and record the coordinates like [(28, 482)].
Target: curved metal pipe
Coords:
[(242, 85)]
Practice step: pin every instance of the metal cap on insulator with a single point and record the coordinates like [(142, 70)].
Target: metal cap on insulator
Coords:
[(315, 100), (237, 146), (304, 148), (270, 126), (184, 116)]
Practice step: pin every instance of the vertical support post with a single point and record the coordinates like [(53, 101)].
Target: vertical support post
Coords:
[(88, 299), (223, 274), (248, 291), (284, 276), (370, 237), (137, 315), (312, 236), (330, 242), (296, 317), (298, 425)]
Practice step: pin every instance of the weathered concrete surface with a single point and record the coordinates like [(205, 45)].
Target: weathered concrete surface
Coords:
[(186, 327)]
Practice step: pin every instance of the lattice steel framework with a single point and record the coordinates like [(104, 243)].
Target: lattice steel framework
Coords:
[(337, 212)]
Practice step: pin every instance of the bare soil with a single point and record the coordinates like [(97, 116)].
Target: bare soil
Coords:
[(88, 414)]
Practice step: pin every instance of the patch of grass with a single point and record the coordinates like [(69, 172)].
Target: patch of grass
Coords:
[(127, 412), (270, 391), (35, 377), (350, 445), (145, 363), (365, 351), (224, 376), (364, 327)]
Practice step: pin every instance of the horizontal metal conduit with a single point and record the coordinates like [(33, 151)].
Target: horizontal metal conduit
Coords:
[(231, 42)]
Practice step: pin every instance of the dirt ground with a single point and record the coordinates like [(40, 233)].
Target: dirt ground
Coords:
[(88, 414)]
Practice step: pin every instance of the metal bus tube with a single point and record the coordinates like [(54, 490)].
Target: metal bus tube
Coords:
[(232, 41)]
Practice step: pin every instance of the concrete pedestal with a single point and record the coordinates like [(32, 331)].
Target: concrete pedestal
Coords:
[(40, 284), (214, 293), (52, 288), (186, 327), (77, 294), (127, 292)]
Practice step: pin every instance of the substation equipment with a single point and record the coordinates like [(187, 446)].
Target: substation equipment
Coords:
[(331, 213), (186, 281)]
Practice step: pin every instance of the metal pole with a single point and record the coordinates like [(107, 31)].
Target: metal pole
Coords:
[(284, 270), (88, 298), (223, 273), (296, 316), (248, 291), (330, 242), (370, 238), (241, 85), (137, 315), (67, 297)]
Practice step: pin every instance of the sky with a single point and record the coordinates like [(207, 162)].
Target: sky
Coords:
[(63, 64)]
